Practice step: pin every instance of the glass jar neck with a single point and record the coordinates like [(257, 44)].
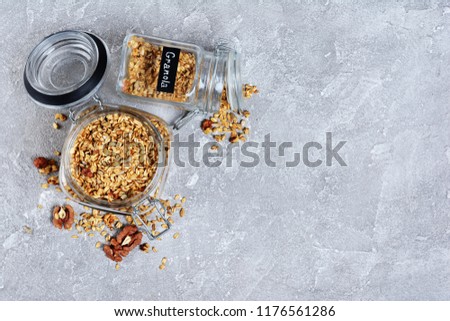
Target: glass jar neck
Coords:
[(220, 69)]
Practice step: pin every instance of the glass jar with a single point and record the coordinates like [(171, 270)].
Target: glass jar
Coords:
[(180, 74), (64, 72), (158, 133)]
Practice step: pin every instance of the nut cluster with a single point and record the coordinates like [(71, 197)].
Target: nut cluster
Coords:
[(114, 157), (127, 239), (48, 166), (143, 71), (60, 117), (45, 166)]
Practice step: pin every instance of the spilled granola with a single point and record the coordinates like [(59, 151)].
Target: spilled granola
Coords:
[(228, 124)]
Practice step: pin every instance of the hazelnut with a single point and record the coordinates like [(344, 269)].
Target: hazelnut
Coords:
[(40, 162)]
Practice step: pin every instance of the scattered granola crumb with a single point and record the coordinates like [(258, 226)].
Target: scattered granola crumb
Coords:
[(74, 236), (117, 266), (53, 180), (250, 90), (27, 229), (219, 138), (154, 249), (57, 153), (44, 185), (98, 244), (60, 117), (145, 247), (56, 125), (109, 220), (59, 190), (162, 267), (40, 206), (176, 235), (91, 222)]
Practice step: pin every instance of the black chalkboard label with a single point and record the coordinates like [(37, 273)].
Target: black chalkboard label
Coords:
[(168, 70)]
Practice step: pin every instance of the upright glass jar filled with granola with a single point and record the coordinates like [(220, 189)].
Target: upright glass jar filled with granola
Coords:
[(180, 74)]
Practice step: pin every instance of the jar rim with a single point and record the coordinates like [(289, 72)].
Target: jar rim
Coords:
[(46, 77), (233, 80)]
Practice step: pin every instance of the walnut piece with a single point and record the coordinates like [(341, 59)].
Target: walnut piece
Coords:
[(63, 216), (127, 239)]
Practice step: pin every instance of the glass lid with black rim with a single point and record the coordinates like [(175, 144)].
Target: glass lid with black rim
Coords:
[(66, 69)]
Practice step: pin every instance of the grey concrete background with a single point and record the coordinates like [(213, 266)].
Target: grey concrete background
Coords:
[(374, 73)]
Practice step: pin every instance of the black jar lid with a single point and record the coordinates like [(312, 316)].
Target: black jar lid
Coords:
[(66, 69)]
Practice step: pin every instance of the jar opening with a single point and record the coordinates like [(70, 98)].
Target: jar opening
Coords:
[(234, 82), (225, 77)]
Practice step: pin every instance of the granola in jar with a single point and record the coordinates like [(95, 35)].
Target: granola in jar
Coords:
[(145, 62), (114, 157)]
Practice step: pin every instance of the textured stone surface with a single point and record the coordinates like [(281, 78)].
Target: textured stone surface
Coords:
[(375, 74)]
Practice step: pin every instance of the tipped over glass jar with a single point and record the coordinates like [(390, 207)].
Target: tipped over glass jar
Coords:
[(180, 74)]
